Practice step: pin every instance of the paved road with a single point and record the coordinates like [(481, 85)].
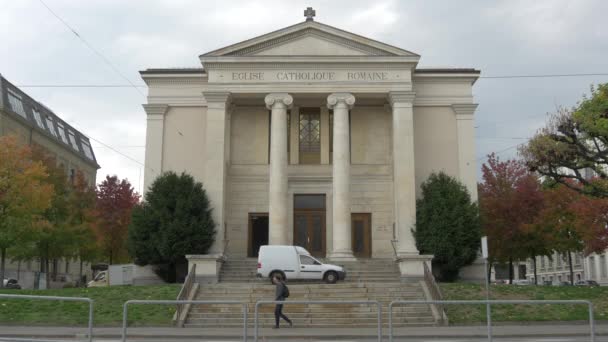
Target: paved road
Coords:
[(574, 339)]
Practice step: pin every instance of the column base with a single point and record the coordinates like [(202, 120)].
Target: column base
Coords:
[(342, 256), (208, 267), (411, 265)]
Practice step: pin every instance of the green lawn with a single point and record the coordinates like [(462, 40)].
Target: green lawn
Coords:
[(109, 301), (459, 314), (107, 306)]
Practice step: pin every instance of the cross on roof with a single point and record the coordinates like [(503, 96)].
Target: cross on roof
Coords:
[(309, 13)]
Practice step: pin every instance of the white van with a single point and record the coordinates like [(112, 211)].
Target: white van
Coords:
[(294, 262)]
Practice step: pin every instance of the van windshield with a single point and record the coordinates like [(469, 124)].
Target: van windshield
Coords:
[(308, 260)]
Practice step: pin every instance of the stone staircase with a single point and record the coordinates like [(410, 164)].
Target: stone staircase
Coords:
[(366, 280), (362, 271), (311, 315)]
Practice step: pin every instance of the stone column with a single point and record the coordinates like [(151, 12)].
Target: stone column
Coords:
[(216, 139), (404, 178), (278, 103), (467, 168), (155, 128), (411, 263), (342, 244)]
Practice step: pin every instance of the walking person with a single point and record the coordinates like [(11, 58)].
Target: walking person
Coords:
[(281, 293)]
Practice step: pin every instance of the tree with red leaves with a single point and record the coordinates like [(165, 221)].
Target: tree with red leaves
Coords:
[(509, 198), (578, 222), (115, 200)]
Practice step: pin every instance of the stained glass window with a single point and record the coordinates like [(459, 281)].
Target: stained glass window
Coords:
[(310, 132)]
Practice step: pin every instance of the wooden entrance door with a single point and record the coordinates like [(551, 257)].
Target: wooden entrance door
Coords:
[(362, 235), (258, 233), (309, 232), (309, 223)]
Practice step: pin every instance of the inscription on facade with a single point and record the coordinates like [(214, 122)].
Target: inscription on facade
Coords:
[(308, 76)]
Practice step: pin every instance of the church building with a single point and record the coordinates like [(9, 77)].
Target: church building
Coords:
[(313, 136)]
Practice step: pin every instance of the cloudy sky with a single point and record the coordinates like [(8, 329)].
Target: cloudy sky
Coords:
[(515, 37)]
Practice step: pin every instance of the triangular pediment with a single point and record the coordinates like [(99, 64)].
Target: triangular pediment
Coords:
[(310, 38)]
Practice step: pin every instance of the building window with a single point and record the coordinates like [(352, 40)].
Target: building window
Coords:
[(86, 148), (38, 118), (542, 262), (603, 266), (310, 136), (73, 140), (61, 131), (577, 259), (50, 126), (592, 273), (15, 100)]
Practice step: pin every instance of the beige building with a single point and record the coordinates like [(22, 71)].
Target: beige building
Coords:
[(556, 269), (313, 136), (34, 124)]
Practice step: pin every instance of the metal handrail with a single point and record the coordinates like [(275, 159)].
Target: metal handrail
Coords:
[(394, 247), (245, 307), (184, 294), (360, 302), (63, 299), (434, 289), (488, 303)]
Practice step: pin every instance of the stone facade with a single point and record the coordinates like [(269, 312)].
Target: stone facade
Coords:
[(241, 125)]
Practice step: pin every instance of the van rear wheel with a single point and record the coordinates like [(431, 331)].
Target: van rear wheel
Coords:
[(331, 277), (277, 274)]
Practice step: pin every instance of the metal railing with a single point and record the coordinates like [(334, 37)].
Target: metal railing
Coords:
[(356, 302), (63, 299), (433, 287), (184, 294), (394, 244), (245, 307), (489, 303)]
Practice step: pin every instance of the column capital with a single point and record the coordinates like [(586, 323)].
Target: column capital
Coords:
[(217, 98), (401, 98), (279, 99), (156, 109), (464, 110), (347, 98)]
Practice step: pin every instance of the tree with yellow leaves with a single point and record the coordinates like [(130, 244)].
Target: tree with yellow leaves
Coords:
[(24, 194)]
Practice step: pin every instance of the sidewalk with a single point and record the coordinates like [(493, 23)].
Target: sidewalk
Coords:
[(545, 330)]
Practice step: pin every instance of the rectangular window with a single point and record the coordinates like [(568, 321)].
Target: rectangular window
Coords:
[(61, 130), (592, 273), (50, 126), (16, 104), (603, 266), (38, 118), (310, 136), (309, 201), (86, 148), (73, 140)]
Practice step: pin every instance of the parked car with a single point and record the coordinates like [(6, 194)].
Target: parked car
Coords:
[(521, 282), (11, 284), (587, 283), (294, 262)]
